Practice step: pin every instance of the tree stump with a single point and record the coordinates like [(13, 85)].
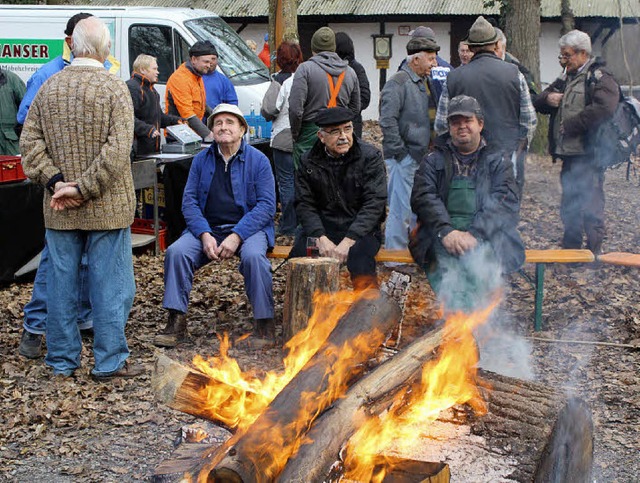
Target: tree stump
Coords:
[(304, 278)]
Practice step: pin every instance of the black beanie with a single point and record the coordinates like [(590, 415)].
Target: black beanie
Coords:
[(202, 47)]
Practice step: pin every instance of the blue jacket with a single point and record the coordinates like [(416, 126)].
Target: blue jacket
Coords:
[(40, 77), (219, 89), (253, 188)]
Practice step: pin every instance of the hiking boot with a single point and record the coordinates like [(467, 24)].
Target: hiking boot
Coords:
[(127, 371), (30, 345), (175, 331)]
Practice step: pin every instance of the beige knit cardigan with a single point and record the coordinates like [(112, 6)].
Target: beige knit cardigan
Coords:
[(81, 125)]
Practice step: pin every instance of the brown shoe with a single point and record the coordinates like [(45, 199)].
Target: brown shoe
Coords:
[(125, 372), (175, 331)]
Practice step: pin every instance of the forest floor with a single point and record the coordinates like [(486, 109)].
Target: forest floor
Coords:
[(67, 430)]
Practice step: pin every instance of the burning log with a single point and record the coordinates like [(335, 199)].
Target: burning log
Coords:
[(259, 453), (304, 278)]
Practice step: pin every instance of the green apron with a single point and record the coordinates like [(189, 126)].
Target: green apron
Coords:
[(460, 282), (306, 140)]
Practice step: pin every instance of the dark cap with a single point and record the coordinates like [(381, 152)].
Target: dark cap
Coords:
[(422, 31), (464, 106), (421, 44), (71, 24), (202, 47), (333, 116)]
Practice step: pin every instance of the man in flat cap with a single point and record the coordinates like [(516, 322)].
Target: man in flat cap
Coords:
[(501, 90), (340, 197), (325, 80), (218, 87), (465, 196), (404, 119), (185, 95), (229, 203)]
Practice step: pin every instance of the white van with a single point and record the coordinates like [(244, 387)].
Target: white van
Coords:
[(33, 35)]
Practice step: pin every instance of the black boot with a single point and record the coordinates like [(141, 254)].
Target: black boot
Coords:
[(30, 345), (175, 332)]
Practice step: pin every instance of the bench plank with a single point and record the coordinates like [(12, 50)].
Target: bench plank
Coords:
[(384, 255), (559, 256), (620, 258)]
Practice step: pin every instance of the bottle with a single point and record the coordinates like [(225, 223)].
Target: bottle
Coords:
[(252, 122)]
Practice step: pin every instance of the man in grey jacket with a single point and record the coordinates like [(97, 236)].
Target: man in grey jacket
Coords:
[(404, 119), (325, 80)]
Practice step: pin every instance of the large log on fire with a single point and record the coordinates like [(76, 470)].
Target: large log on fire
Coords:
[(259, 453), (305, 276)]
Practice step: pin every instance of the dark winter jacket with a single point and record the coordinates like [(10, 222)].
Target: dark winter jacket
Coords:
[(341, 199), (497, 215), (346, 51), (590, 97), (148, 115)]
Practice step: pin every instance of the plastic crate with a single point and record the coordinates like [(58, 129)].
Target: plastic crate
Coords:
[(11, 169), (145, 227), (259, 126)]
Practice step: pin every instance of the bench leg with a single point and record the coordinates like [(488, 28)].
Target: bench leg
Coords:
[(539, 296)]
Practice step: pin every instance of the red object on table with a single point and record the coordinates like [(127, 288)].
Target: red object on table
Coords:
[(11, 169)]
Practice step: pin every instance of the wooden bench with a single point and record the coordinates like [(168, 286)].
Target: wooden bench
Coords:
[(540, 257), (620, 258)]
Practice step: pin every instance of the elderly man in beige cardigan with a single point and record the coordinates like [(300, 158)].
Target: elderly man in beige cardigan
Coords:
[(76, 142)]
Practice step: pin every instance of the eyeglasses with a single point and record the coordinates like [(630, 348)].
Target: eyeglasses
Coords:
[(339, 131), (566, 56)]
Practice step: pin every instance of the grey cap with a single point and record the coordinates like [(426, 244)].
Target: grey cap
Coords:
[(421, 44), (464, 106), (422, 31), (481, 33)]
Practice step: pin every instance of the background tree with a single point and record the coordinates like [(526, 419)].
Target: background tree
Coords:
[(283, 25)]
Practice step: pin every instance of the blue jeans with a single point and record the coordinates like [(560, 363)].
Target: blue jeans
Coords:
[(399, 218), (35, 312), (111, 291), (283, 163), (185, 256)]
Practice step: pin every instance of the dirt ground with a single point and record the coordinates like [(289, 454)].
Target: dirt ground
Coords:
[(78, 430)]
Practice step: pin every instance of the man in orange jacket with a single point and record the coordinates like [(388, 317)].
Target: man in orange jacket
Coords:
[(185, 95)]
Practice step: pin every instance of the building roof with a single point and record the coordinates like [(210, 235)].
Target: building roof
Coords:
[(260, 8)]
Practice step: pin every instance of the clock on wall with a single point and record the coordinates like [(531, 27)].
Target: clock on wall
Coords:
[(382, 46)]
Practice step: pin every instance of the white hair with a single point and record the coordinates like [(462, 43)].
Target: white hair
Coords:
[(501, 36), (91, 38), (410, 57), (576, 40)]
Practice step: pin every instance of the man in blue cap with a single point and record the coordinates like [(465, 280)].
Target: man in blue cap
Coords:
[(341, 194)]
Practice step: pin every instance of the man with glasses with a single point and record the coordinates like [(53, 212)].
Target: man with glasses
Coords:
[(579, 103), (341, 192)]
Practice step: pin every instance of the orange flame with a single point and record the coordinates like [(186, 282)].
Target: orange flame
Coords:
[(243, 396), (445, 382)]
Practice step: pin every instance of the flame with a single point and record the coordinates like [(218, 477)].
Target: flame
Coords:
[(445, 382), (243, 395)]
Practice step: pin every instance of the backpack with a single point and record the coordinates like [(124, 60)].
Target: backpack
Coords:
[(617, 139)]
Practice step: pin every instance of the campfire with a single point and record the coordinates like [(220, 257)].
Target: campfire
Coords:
[(334, 412)]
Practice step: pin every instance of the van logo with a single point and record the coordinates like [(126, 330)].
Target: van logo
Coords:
[(29, 51)]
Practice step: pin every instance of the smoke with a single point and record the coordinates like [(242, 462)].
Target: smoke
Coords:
[(469, 283)]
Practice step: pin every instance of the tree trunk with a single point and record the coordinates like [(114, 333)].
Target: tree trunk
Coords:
[(304, 277), (566, 17), (283, 25), (259, 453), (522, 29)]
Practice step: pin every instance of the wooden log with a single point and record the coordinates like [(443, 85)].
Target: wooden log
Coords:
[(337, 424), (187, 390), (527, 426), (259, 453), (305, 276)]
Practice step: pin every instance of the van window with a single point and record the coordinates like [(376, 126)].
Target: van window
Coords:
[(235, 59), (152, 40), (181, 49)]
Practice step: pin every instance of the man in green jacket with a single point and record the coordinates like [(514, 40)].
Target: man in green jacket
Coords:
[(12, 91)]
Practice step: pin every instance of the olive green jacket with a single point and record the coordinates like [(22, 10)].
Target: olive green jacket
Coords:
[(12, 91)]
